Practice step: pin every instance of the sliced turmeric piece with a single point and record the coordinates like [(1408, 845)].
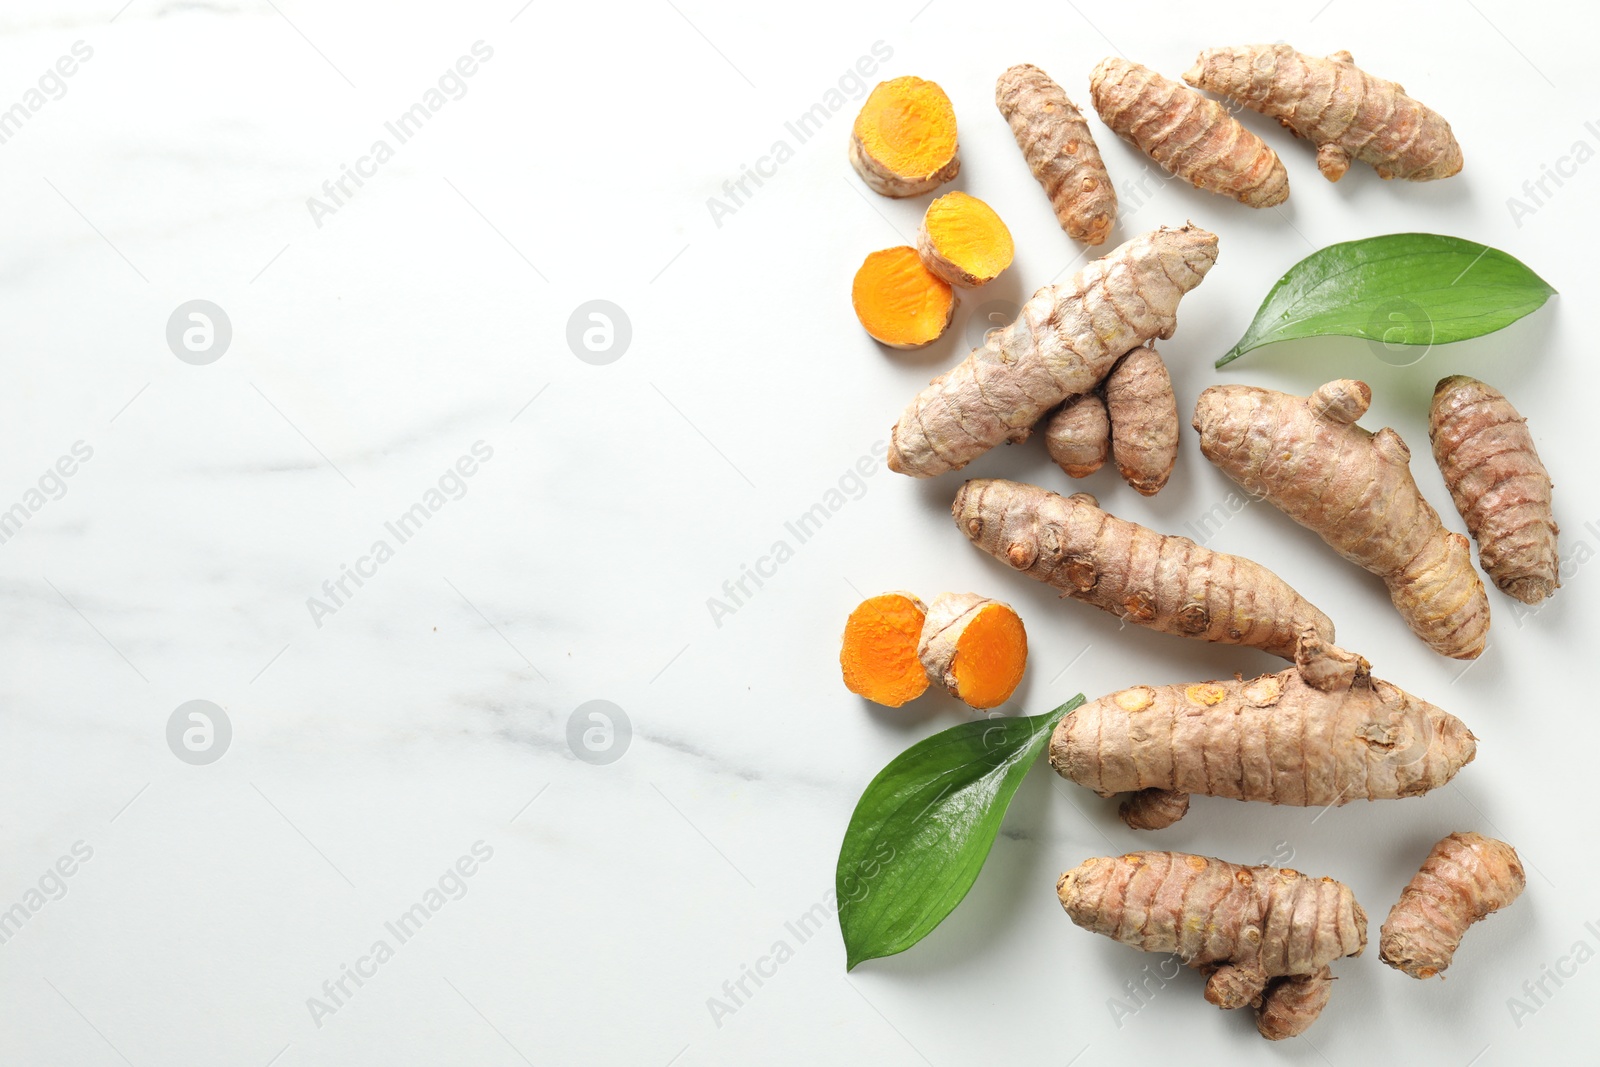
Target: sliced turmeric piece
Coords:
[(904, 140), (900, 302), (976, 647), (963, 241), (879, 653)]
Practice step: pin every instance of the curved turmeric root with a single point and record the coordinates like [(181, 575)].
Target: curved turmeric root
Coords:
[(963, 241), (900, 302), (879, 653), (1063, 342), (1144, 420), (1291, 1004), (1078, 435), (1308, 457), (1188, 135), (1321, 733), (903, 142), (1344, 111), (1263, 936), (1466, 877), (1060, 150), (1164, 583), (1499, 486), (974, 646)]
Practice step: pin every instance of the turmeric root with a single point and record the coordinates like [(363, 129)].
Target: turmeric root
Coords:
[(1188, 135), (1164, 583), (1308, 457), (1337, 106), (974, 646), (1062, 344), (1078, 435), (1144, 419), (963, 241), (900, 302), (1263, 936), (1292, 1003), (1465, 878), (1154, 809), (1500, 487), (904, 140), (1060, 150), (879, 653), (1321, 733)]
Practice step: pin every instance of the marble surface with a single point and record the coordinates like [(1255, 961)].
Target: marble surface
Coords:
[(401, 534)]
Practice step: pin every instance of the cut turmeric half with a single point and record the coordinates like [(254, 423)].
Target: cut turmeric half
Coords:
[(964, 241), (904, 140), (879, 653), (976, 647), (899, 301)]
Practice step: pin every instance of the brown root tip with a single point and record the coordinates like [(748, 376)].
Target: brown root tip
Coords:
[(1153, 809), (896, 463), (1343, 401), (1530, 589), (1146, 487)]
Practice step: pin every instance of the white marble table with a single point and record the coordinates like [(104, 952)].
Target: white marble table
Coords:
[(399, 534)]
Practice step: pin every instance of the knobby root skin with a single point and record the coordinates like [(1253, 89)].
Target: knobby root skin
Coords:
[(1321, 733), (1165, 583), (964, 241), (1062, 344), (1078, 435), (975, 647), (1353, 488), (1292, 1003), (1060, 150), (1263, 936), (1499, 485), (1154, 809), (903, 142), (1466, 877), (879, 652), (1144, 419), (1344, 111), (1188, 135), (899, 301)]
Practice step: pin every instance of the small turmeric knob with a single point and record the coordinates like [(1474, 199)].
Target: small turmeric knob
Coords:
[(1465, 878)]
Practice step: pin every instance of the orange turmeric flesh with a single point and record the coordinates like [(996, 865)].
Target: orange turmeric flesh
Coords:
[(879, 653), (900, 302), (904, 140), (976, 647), (990, 657), (963, 241)]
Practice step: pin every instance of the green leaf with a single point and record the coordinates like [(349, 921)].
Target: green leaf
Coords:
[(1398, 289), (923, 828)]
